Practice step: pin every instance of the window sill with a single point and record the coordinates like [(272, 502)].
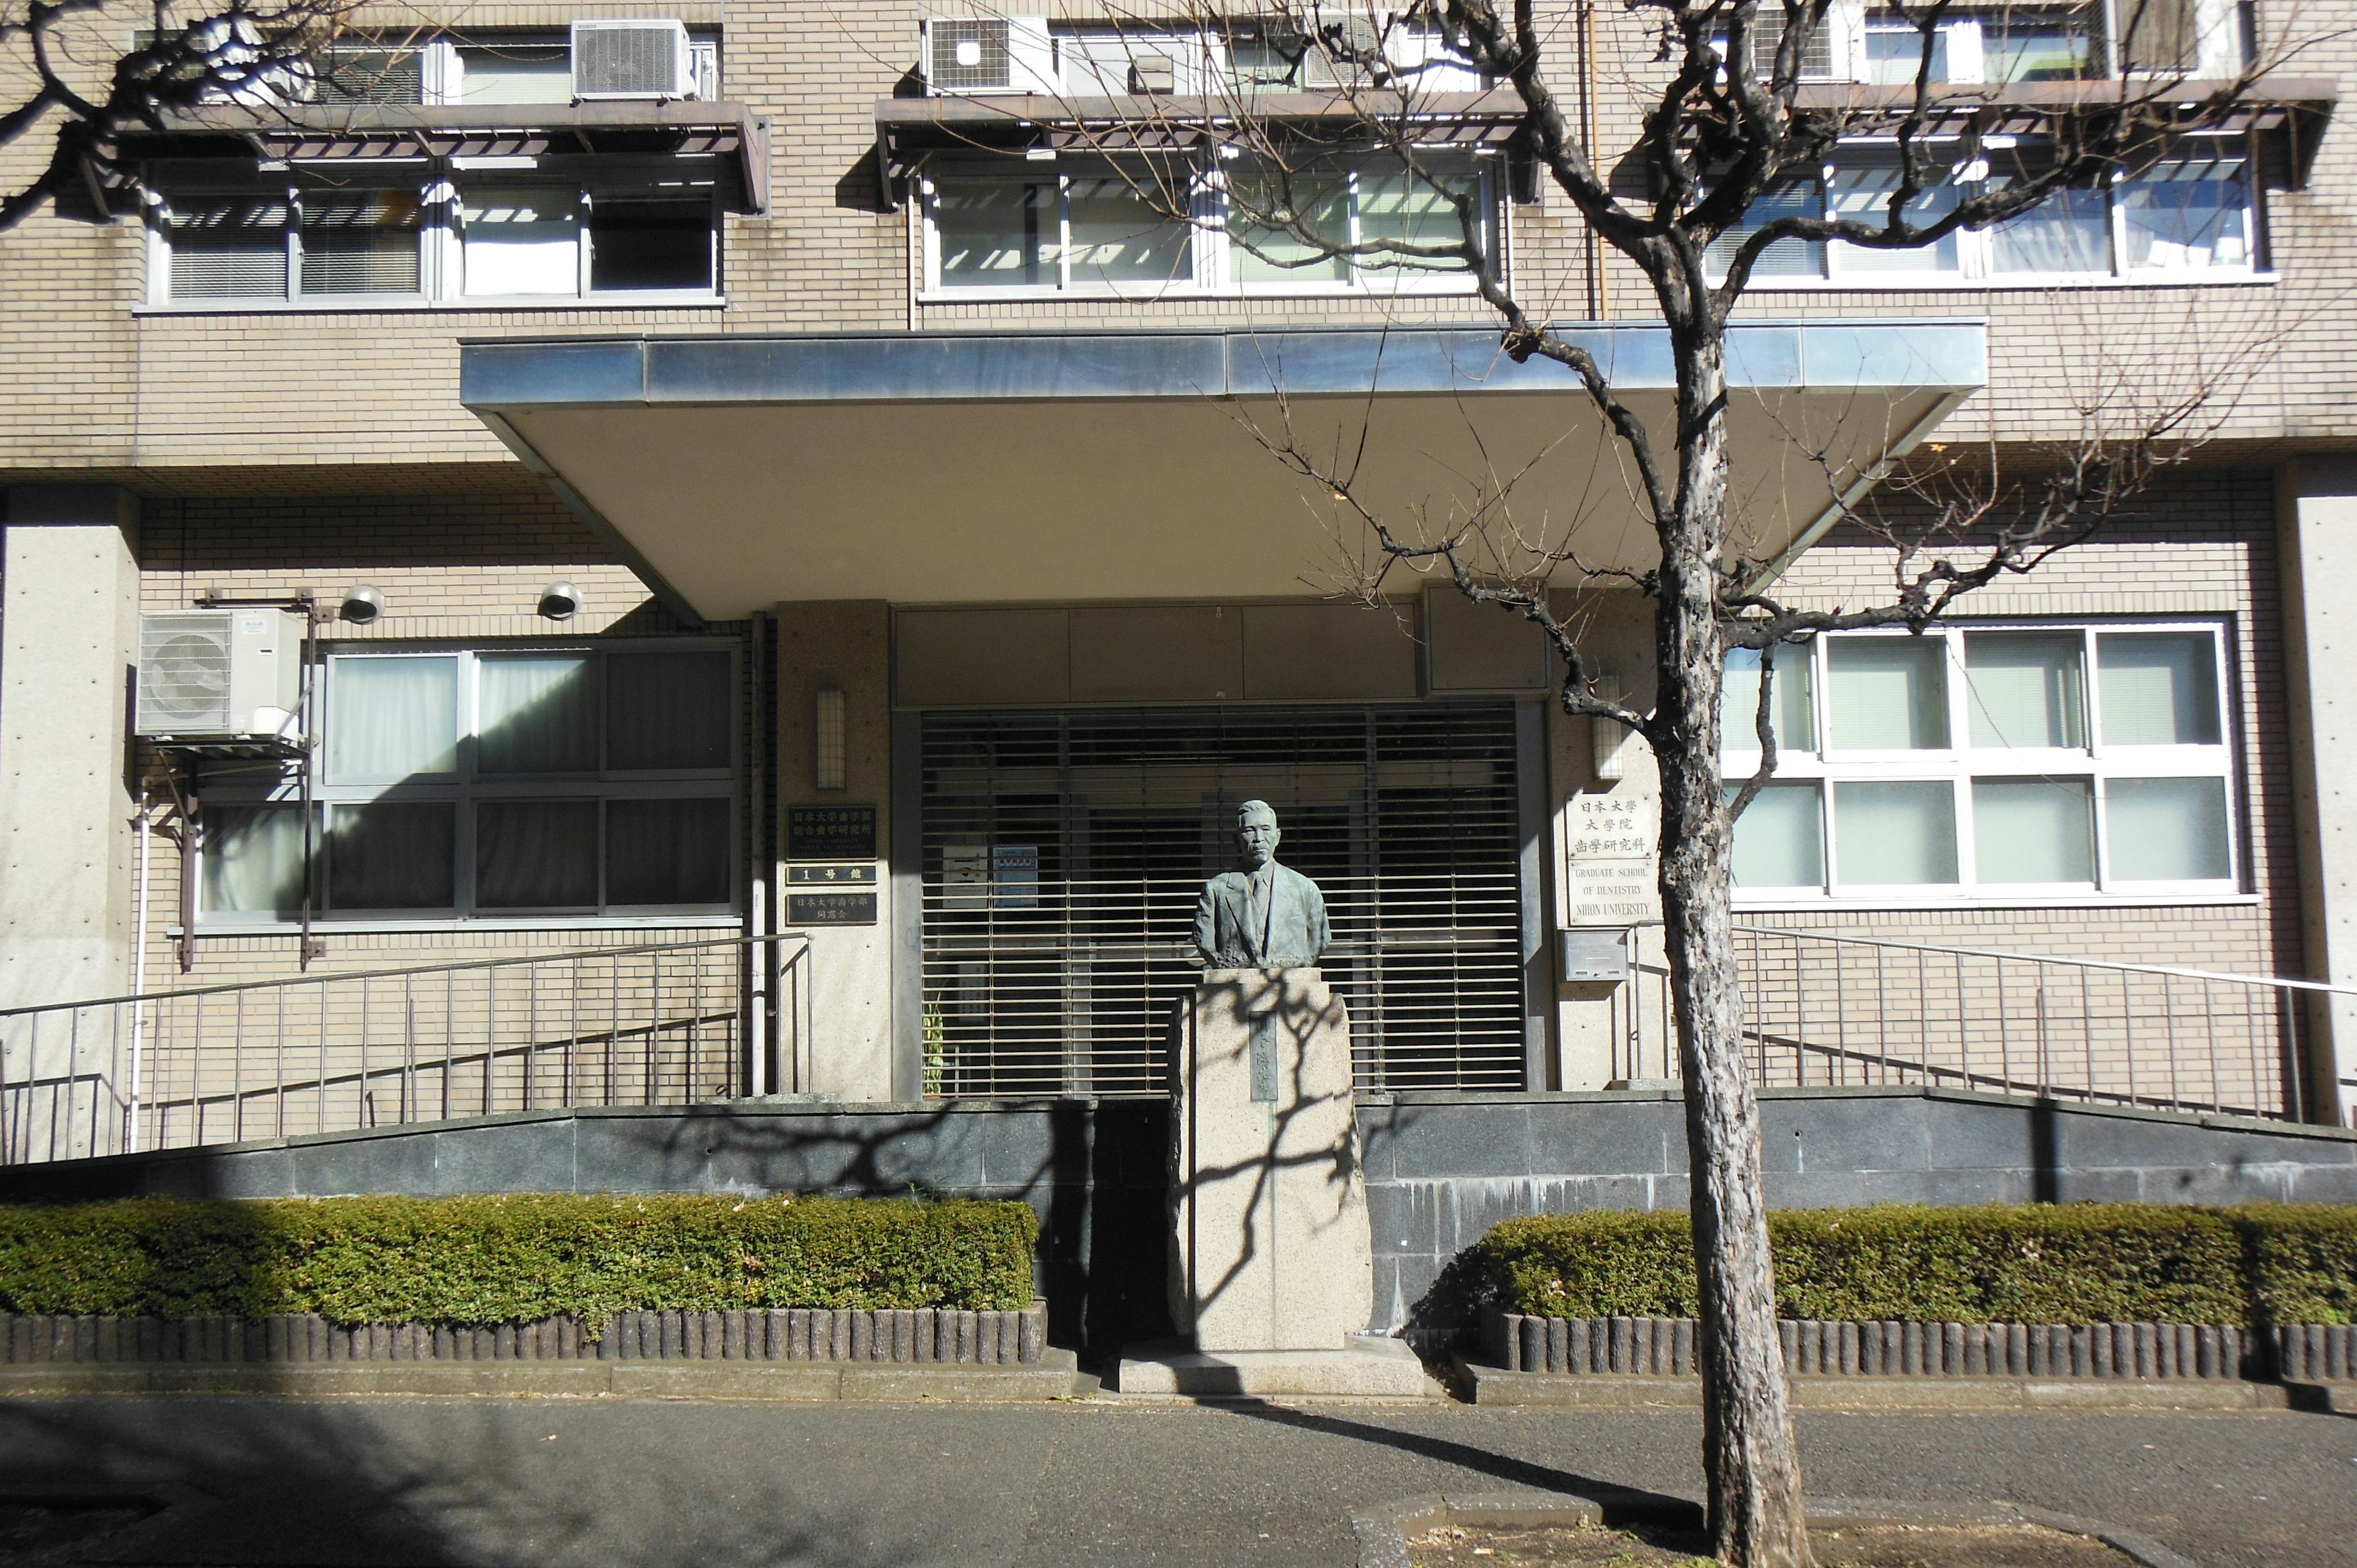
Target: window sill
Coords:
[(405, 306), (1952, 901), (419, 925), (2012, 284)]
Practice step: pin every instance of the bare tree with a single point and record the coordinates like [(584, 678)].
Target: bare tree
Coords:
[(1729, 121), (77, 83)]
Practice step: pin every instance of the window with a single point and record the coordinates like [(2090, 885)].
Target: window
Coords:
[(1099, 231), (303, 242), (388, 75), (522, 70), (1108, 63), (521, 239), (1768, 37), (445, 230), (489, 240), (498, 783), (1785, 258), (479, 67), (2193, 215), (1347, 53), (1862, 192), (1102, 230), (1988, 761)]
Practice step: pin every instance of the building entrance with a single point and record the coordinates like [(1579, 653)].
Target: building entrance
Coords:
[(1063, 851)]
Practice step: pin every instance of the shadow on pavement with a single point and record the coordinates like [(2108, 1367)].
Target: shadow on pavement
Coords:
[(1621, 1504), (267, 1483)]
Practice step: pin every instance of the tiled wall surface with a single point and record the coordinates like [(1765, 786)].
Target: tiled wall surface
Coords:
[(93, 383)]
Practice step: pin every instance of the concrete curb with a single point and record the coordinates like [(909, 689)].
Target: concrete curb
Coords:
[(1616, 1391), (893, 1336), (1056, 1375), (1658, 1347), (1384, 1533)]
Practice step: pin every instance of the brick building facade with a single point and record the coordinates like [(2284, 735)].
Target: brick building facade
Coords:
[(990, 560)]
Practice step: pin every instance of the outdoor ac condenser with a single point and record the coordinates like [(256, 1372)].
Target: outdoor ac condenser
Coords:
[(631, 59), (213, 675), (969, 55)]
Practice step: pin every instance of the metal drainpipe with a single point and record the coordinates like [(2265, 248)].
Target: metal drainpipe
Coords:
[(139, 974)]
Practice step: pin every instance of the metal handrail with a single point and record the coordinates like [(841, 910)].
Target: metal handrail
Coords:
[(288, 982), (1832, 1008), (637, 1023), (2183, 973)]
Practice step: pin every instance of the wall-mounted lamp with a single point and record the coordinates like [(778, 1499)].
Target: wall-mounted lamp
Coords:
[(559, 601), (361, 606), (827, 742), (1610, 739)]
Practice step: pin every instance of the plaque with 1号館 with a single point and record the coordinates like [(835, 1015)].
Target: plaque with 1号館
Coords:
[(831, 895)]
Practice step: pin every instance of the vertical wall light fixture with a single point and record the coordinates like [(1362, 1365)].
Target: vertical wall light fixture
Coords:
[(1611, 741), (827, 742)]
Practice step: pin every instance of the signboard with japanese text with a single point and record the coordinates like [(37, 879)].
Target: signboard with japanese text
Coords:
[(1609, 874), (830, 908), (815, 876), (830, 833)]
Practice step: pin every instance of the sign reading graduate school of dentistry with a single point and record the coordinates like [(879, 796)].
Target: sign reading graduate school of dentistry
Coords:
[(1609, 874)]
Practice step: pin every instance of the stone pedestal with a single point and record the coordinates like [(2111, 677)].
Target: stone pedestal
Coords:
[(1269, 1242)]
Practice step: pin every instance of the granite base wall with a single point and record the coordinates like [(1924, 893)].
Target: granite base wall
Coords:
[(1441, 1169)]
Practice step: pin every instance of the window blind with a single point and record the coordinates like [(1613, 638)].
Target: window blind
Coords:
[(361, 244), (229, 248)]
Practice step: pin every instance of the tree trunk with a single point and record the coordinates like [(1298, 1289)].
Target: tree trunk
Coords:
[(1756, 1514)]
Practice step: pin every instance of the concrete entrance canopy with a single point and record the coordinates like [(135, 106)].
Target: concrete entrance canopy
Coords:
[(741, 472)]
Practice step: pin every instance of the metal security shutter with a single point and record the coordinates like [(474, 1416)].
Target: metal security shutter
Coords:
[(1064, 852)]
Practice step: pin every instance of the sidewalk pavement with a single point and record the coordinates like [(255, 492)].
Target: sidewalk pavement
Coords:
[(388, 1483)]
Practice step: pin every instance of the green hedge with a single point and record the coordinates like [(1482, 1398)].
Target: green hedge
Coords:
[(2075, 1263), (496, 1259)]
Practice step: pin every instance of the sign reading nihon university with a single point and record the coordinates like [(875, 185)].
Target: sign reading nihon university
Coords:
[(830, 833), (1609, 874)]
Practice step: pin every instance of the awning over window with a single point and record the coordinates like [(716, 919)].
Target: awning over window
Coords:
[(938, 469), (2295, 108), (360, 132)]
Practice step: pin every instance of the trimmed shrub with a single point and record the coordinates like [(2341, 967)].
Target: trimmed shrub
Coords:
[(2303, 1261), (2046, 1264), (496, 1259)]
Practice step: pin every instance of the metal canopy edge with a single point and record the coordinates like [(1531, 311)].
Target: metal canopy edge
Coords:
[(1941, 355)]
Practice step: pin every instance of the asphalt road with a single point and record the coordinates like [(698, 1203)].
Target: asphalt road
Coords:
[(408, 1483)]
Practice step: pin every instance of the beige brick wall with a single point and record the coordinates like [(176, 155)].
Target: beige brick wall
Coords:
[(450, 566), (2201, 542), (91, 385)]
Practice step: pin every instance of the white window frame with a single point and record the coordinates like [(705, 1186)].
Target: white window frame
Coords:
[(290, 295), (1960, 763), (1202, 66), (1975, 266), (464, 788), (2217, 27), (441, 268), (1213, 251)]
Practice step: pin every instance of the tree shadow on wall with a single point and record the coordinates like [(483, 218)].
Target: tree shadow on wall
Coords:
[(1093, 1171)]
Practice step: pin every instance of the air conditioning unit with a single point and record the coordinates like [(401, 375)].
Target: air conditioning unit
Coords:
[(970, 54), (220, 674), (632, 60)]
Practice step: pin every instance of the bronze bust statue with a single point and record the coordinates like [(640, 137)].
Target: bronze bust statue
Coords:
[(1261, 915)]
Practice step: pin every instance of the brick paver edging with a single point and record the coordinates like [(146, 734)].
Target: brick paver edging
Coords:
[(1664, 1347), (921, 1338)]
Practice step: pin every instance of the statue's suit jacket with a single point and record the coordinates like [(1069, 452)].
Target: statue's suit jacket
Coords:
[(1297, 933)]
